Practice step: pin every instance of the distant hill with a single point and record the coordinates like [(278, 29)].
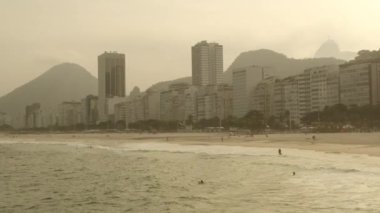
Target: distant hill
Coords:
[(331, 49), (63, 82), (164, 85), (283, 65)]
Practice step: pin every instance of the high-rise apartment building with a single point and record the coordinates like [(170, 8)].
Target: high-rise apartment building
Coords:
[(207, 63), (244, 81), (360, 82), (290, 93), (323, 87), (111, 80), (262, 96)]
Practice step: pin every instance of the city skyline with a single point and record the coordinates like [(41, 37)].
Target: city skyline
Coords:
[(50, 41), (189, 106)]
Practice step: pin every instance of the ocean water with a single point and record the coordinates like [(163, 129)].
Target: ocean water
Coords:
[(154, 177)]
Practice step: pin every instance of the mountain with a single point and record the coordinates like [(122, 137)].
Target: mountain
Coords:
[(331, 49), (164, 85), (282, 65), (63, 82)]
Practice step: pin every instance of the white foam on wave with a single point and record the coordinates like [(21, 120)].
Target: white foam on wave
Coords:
[(314, 159)]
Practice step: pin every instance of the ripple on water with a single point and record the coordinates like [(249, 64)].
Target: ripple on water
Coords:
[(56, 177)]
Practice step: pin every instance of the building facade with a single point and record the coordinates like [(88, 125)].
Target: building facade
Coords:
[(213, 101), (324, 87), (293, 97), (5, 119), (207, 63), (69, 114), (33, 116), (263, 96), (89, 110), (172, 103), (360, 82), (244, 81), (120, 111), (111, 80)]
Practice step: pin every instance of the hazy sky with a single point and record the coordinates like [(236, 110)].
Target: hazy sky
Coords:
[(156, 35)]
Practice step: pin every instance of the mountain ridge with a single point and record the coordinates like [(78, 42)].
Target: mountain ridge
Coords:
[(62, 82), (283, 65)]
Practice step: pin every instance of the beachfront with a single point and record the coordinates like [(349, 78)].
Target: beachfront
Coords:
[(353, 143)]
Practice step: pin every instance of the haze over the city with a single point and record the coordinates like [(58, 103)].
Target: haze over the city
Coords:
[(156, 36)]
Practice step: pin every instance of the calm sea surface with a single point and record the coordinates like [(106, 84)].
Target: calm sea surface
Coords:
[(156, 177)]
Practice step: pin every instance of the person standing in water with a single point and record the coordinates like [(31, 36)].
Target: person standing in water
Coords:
[(279, 152)]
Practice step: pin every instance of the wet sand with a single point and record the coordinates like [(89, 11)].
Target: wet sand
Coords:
[(352, 143)]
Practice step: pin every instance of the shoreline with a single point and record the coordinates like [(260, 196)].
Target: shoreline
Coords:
[(350, 143)]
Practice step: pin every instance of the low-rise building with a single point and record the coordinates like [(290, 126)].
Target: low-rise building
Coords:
[(262, 96), (244, 80), (89, 110), (33, 116), (213, 101), (69, 114), (5, 119), (172, 103), (111, 103)]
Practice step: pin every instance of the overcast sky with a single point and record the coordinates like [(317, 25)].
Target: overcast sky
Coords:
[(156, 35)]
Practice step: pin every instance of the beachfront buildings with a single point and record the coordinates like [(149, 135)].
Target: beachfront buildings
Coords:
[(262, 96), (172, 103), (289, 96), (294, 96), (213, 101), (139, 106), (120, 112), (5, 119), (207, 63), (111, 80), (33, 116), (112, 104), (360, 81), (151, 101), (69, 113), (89, 113), (323, 87), (244, 81), (134, 109)]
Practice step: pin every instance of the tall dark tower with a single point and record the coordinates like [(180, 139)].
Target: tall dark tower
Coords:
[(111, 80)]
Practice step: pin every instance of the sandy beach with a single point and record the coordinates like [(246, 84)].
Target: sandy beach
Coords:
[(353, 143)]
